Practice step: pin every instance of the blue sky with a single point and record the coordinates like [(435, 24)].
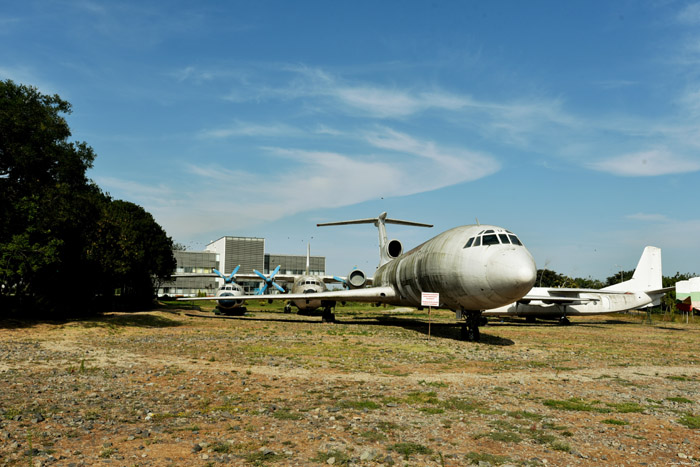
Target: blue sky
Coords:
[(574, 124)]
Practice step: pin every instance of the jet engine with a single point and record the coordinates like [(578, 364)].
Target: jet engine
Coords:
[(356, 279), (394, 248)]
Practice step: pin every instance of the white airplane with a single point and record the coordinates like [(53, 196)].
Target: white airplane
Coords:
[(472, 268), (301, 284), (643, 290)]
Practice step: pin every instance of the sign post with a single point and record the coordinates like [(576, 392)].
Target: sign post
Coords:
[(429, 299)]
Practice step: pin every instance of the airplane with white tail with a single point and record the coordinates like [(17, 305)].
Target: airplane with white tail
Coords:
[(643, 290)]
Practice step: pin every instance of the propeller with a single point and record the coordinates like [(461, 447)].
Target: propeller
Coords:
[(269, 281), (230, 279)]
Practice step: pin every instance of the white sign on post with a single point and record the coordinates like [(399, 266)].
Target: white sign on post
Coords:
[(429, 299)]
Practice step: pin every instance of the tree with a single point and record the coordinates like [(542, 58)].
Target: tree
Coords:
[(131, 253), (51, 215)]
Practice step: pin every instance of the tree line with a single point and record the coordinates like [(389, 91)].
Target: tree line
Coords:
[(66, 247)]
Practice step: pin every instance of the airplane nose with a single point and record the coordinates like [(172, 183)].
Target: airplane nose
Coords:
[(512, 274)]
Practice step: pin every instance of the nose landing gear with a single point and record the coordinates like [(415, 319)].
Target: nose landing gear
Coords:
[(470, 328)]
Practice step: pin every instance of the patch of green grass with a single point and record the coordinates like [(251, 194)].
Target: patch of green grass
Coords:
[(476, 458), (358, 405), (679, 378), (258, 458), (627, 407), (612, 421), (435, 384), (107, 453), (408, 448), (523, 414), (418, 397), (680, 400), (560, 446), (462, 405), (575, 404), (372, 435), (691, 421), (286, 414), (223, 448)]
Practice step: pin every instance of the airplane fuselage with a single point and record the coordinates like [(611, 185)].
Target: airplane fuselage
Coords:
[(601, 303), (229, 290), (496, 272), (307, 284)]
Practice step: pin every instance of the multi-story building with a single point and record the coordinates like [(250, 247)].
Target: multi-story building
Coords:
[(224, 255)]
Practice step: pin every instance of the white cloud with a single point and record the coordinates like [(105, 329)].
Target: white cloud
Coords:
[(646, 164), (251, 129), (644, 217), (690, 15)]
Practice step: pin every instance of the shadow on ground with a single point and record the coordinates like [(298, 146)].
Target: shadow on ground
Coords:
[(136, 319), (437, 330)]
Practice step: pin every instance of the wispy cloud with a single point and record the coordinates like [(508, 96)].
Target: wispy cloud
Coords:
[(690, 14), (644, 217), (646, 164), (252, 130)]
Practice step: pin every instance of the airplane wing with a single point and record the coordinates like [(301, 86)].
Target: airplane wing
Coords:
[(552, 295), (369, 294)]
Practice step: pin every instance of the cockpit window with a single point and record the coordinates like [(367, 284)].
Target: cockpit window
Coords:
[(490, 239), (493, 237)]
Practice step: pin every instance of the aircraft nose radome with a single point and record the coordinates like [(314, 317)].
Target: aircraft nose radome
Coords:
[(513, 275)]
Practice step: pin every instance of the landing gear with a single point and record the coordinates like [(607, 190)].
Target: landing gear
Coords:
[(564, 321), (288, 308), (328, 316), (470, 329)]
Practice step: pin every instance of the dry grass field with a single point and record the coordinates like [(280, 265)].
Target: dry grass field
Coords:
[(177, 387)]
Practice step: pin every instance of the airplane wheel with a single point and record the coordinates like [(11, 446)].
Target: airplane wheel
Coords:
[(328, 316), (474, 334), (564, 321), (288, 308)]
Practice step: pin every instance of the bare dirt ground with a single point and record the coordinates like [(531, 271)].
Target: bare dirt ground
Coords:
[(167, 388)]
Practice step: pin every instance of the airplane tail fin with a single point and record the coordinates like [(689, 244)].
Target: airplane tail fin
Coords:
[(647, 276), (388, 250)]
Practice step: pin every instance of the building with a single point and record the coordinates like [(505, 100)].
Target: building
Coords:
[(224, 255)]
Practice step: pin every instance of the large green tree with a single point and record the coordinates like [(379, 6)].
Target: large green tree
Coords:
[(51, 213)]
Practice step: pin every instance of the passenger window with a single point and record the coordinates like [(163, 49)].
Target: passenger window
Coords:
[(515, 240), (477, 242), (491, 239), (469, 243), (504, 238)]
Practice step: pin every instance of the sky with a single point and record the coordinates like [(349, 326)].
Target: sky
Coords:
[(574, 124)]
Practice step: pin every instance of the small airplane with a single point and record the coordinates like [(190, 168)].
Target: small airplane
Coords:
[(229, 289), (472, 268), (306, 283), (643, 290)]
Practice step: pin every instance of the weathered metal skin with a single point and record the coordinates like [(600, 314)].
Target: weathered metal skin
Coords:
[(468, 278)]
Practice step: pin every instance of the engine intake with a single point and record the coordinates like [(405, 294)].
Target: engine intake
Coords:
[(394, 249), (356, 279)]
